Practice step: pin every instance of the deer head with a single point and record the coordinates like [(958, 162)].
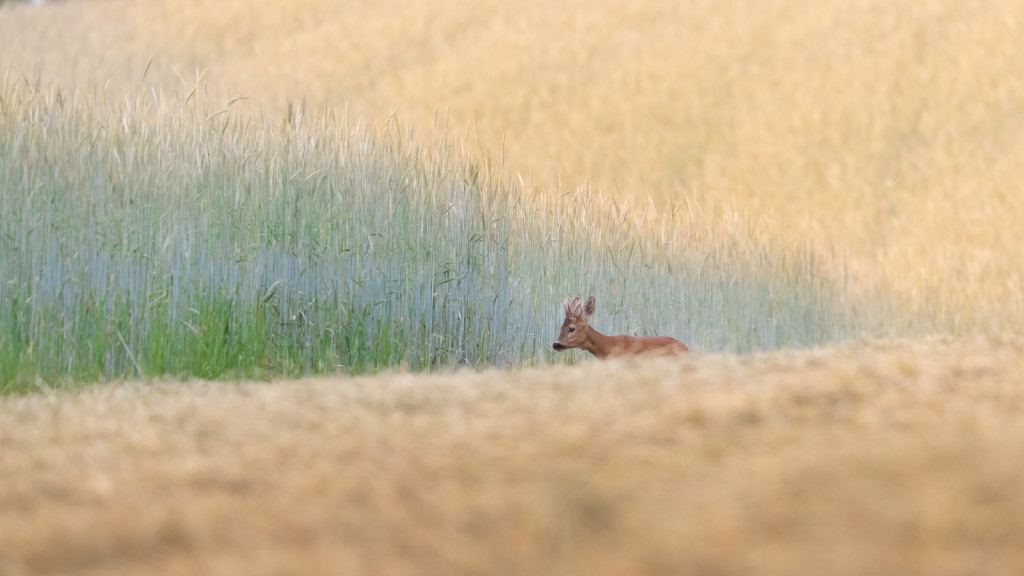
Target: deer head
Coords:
[(575, 329)]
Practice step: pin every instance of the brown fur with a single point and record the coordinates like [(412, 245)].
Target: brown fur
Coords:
[(576, 332)]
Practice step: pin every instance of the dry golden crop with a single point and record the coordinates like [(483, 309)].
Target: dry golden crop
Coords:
[(887, 458)]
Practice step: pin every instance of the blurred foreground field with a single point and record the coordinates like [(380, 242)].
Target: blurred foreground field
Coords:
[(880, 458), (889, 133)]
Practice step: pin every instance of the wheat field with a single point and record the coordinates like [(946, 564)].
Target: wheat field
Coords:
[(889, 133), (888, 458), (202, 201)]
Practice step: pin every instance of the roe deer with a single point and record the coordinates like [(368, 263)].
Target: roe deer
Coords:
[(577, 333)]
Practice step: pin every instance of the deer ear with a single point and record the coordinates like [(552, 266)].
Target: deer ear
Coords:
[(574, 307), (589, 307)]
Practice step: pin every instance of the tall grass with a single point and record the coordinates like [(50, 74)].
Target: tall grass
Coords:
[(890, 132), (143, 234)]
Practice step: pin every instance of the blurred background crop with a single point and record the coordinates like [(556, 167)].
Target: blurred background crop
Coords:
[(880, 143)]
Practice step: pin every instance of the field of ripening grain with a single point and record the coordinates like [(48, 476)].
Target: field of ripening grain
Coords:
[(279, 282), (897, 459)]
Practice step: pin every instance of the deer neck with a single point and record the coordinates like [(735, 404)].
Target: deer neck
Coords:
[(598, 344)]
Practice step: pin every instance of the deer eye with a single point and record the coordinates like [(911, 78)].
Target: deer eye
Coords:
[(572, 329)]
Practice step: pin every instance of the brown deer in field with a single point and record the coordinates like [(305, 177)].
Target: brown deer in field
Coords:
[(577, 333)]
